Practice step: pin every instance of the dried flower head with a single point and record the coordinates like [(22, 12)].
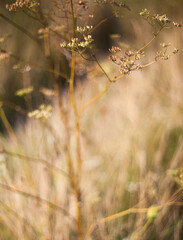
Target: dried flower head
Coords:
[(176, 50), (128, 62), (161, 18), (20, 4), (24, 91), (43, 112)]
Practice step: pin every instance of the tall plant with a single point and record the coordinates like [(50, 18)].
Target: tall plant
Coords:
[(66, 32)]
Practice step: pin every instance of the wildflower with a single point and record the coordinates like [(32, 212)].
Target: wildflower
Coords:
[(43, 112), (115, 49), (84, 29), (177, 24), (31, 4), (24, 91), (176, 50), (164, 45), (161, 18), (144, 13), (128, 62)]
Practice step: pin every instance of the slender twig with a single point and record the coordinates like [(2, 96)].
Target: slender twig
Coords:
[(154, 37), (62, 111), (114, 79), (130, 211), (23, 30), (51, 70), (7, 125), (100, 23), (19, 217), (95, 98), (94, 56), (33, 17), (35, 160), (35, 197), (13, 135), (15, 107), (77, 190)]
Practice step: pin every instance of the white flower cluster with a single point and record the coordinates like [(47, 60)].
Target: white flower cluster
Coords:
[(88, 40), (75, 44), (84, 29), (44, 112)]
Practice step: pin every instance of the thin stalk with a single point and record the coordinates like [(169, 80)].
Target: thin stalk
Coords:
[(35, 160), (77, 133), (50, 69), (154, 37), (63, 113), (95, 98), (100, 66), (15, 107), (17, 216), (16, 140), (20, 28), (172, 201), (35, 197), (142, 230), (76, 116)]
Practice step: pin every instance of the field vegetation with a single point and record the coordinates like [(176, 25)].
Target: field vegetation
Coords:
[(91, 142)]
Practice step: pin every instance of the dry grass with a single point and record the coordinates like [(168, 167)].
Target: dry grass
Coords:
[(130, 137)]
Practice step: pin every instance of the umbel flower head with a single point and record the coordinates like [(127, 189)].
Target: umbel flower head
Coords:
[(43, 112), (128, 62), (20, 4), (79, 45)]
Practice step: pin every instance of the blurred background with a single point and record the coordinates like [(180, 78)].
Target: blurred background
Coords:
[(126, 29), (132, 137)]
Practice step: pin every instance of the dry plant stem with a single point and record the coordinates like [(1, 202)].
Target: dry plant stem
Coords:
[(142, 230), (65, 120), (31, 16), (63, 113), (92, 13), (77, 190), (114, 79), (23, 30), (51, 70), (19, 217), (95, 98), (16, 141), (93, 55), (141, 49), (100, 23), (155, 35), (35, 160), (127, 212), (78, 153), (14, 107), (173, 200), (37, 198), (76, 116), (8, 126)]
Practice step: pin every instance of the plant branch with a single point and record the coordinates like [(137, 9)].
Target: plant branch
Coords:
[(95, 98), (35, 160), (37, 198), (77, 134), (20, 28), (51, 70)]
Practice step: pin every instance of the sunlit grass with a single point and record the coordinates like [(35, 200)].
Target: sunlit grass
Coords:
[(131, 146)]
